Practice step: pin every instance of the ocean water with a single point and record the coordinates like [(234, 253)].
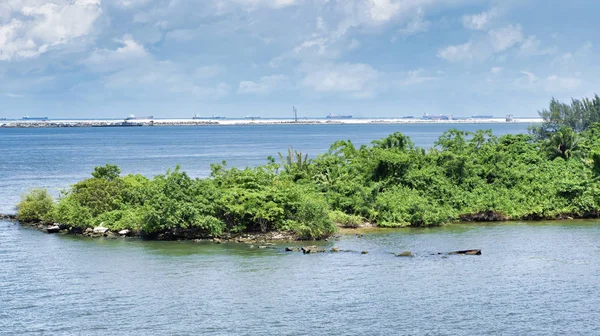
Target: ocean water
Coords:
[(532, 278)]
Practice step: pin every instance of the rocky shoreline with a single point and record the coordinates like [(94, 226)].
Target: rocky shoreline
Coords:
[(262, 240), (179, 234)]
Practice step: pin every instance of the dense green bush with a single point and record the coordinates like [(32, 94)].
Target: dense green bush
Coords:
[(35, 205)]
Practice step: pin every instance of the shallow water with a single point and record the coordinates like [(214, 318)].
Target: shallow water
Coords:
[(532, 279)]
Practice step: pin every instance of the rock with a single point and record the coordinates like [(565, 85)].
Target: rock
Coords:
[(466, 252), (89, 231), (262, 247), (335, 249), (278, 236), (217, 240), (251, 246), (292, 249), (53, 229), (100, 230), (125, 232), (364, 252), (404, 254), (111, 235), (312, 249)]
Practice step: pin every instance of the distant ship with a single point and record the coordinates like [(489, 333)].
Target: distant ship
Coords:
[(132, 117), (252, 118), (333, 116), (435, 117), (212, 117), (26, 117), (509, 118), (407, 117), (482, 117)]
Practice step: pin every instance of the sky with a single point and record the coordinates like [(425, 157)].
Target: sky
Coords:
[(234, 58)]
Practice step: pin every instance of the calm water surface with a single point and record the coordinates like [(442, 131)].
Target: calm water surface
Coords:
[(537, 279), (532, 279)]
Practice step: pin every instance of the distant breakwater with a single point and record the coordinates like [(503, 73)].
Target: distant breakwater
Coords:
[(239, 122)]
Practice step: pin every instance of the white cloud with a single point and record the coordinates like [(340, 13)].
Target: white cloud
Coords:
[(209, 71), (382, 10), (132, 71), (131, 3), (415, 77), (496, 41), (496, 70), (354, 44), (359, 80), (506, 37), (37, 26), (316, 44), (479, 21), (253, 4), (457, 53), (129, 54), (416, 25), (532, 47), (559, 84), (531, 78), (265, 85)]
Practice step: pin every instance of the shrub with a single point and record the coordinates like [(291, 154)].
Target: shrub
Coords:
[(403, 206), (35, 205), (345, 220), (312, 218)]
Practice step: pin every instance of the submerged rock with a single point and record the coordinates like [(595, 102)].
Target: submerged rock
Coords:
[(466, 252), (404, 254), (292, 249), (53, 229), (364, 252), (335, 249), (312, 249)]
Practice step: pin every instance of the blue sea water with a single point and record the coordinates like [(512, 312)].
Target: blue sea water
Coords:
[(532, 278)]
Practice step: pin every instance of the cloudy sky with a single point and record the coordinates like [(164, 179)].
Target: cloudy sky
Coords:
[(177, 58)]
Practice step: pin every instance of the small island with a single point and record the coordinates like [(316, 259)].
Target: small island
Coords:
[(551, 173)]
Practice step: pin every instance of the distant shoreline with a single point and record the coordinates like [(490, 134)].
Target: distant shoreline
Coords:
[(245, 122)]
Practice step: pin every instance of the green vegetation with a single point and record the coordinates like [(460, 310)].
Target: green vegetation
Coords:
[(35, 205), (551, 173)]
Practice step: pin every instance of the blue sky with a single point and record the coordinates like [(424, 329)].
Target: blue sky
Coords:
[(177, 58)]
